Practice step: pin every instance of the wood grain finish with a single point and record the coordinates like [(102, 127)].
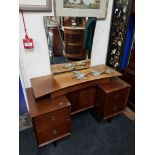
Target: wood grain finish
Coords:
[(111, 98), (74, 43), (52, 133), (114, 85), (82, 99), (44, 104), (51, 110), (51, 118), (54, 83), (115, 102)]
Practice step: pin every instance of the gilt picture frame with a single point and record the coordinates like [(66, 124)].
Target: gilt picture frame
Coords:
[(35, 5), (82, 8)]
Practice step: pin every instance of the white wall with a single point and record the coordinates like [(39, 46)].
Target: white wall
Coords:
[(35, 63), (101, 38)]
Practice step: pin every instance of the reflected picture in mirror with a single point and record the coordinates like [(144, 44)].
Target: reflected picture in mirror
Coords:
[(69, 39)]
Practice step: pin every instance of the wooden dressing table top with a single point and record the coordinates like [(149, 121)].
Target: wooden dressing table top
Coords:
[(52, 83)]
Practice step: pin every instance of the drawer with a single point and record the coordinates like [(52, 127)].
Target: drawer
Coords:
[(116, 97), (52, 133), (52, 119), (115, 102), (112, 110)]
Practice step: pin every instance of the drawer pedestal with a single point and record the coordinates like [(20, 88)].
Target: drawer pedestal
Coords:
[(111, 98), (51, 118)]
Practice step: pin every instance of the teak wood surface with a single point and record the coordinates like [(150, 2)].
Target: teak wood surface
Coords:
[(44, 104), (64, 82)]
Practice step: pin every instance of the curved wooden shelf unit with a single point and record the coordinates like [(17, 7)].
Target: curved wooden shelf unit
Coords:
[(61, 84)]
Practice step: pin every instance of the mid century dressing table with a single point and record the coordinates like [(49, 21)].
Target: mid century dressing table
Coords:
[(55, 98)]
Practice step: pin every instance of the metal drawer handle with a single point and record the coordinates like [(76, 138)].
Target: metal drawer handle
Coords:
[(54, 132), (117, 96), (115, 108), (53, 118)]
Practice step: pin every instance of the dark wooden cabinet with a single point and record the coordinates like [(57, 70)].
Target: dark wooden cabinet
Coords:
[(73, 40), (82, 99), (111, 98), (129, 76)]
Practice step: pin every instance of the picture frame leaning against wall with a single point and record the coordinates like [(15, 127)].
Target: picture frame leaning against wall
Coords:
[(82, 8), (35, 5)]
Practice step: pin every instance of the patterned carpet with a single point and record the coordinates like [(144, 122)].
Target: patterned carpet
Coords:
[(88, 137)]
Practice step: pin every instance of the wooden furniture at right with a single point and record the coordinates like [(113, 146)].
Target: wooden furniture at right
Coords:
[(111, 98), (129, 76), (73, 40)]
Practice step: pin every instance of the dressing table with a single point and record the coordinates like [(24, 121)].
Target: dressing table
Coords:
[(55, 98)]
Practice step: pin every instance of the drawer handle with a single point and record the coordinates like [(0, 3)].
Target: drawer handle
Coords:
[(54, 132), (117, 96), (115, 108), (53, 118)]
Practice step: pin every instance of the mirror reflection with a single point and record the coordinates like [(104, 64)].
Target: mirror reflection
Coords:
[(69, 38)]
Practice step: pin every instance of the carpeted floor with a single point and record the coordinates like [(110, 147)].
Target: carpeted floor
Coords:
[(88, 137)]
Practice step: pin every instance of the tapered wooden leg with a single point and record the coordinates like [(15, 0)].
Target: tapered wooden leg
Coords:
[(109, 120), (55, 144)]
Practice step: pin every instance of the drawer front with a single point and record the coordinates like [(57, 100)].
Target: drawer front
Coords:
[(115, 102), (52, 119), (52, 133), (112, 110)]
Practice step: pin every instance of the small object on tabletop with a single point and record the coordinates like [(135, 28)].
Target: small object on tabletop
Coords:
[(70, 66), (97, 73), (78, 75)]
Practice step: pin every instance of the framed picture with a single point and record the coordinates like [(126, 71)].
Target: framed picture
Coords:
[(81, 8), (119, 26), (35, 5)]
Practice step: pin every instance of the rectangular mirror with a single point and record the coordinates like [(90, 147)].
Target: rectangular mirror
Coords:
[(70, 41)]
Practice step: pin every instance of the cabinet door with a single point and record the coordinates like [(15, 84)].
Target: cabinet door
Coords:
[(87, 97), (82, 99)]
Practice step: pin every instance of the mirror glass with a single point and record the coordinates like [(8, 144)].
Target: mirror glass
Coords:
[(69, 38)]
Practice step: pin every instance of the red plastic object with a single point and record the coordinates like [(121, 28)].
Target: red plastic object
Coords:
[(28, 42)]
